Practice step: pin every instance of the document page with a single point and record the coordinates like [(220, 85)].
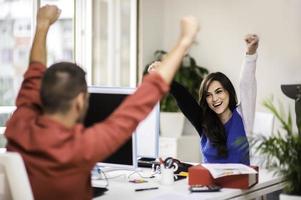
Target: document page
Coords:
[(220, 170)]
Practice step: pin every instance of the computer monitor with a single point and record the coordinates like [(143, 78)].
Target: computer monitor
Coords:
[(147, 134), (103, 101)]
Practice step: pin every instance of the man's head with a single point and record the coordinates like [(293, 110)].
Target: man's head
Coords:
[(64, 89)]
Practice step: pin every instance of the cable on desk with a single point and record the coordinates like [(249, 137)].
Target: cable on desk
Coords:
[(102, 175), (98, 174), (136, 172), (105, 177), (117, 176)]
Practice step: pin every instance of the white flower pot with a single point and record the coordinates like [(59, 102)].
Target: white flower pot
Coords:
[(289, 197), (171, 124), (189, 128)]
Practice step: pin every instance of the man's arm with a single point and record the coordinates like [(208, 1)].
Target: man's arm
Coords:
[(47, 15), (102, 139), (248, 85), (29, 94), (171, 63)]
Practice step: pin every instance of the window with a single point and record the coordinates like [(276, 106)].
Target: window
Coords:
[(107, 33), (6, 55), (100, 35), (103, 39), (15, 28)]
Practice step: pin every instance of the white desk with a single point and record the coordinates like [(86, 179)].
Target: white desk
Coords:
[(122, 189)]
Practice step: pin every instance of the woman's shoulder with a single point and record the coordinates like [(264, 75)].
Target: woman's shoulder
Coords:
[(238, 110), (236, 116)]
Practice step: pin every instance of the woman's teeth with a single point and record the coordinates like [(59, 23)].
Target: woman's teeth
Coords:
[(217, 104)]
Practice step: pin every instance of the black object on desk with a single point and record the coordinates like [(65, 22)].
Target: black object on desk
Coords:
[(208, 188), (144, 189), (146, 162), (98, 191), (179, 177)]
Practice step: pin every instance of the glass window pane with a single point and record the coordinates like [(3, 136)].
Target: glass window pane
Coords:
[(60, 40), (15, 41), (111, 42), (125, 21), (100, 42)]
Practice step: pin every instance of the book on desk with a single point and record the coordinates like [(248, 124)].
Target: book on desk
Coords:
[(200, 175)]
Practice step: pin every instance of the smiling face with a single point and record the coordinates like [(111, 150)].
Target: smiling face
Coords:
[(217, 98), (217, 95)]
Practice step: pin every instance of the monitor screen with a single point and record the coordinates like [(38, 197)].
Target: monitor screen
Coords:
[(103, 101)]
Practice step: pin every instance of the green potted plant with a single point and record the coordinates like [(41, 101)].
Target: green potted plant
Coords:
[(283, 152), (190, 75)]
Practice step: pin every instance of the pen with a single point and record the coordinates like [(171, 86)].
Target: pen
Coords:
[(162, 164), (143, 189), (161, 161)]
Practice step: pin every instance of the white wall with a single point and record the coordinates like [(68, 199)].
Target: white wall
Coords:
[(221, 45), (150, 30)]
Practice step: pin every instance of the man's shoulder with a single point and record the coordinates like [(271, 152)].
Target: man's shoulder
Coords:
[(35, 67), (24, 113)]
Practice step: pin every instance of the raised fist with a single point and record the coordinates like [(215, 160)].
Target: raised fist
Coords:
[(189, 29), (48, 14), (252, 41)]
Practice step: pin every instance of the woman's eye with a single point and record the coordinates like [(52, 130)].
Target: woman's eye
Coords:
[(219, 91)]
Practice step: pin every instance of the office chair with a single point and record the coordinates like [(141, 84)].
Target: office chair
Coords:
[(13, 178)]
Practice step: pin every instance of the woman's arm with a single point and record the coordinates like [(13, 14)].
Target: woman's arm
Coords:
[(248, 85), (187, 104)]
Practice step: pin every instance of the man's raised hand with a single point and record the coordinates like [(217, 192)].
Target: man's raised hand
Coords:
[(48, 14), (189, 29)]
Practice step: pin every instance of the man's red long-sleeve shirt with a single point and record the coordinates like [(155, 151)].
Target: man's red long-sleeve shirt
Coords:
[(59, 160)]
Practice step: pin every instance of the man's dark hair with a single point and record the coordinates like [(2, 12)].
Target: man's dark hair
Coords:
[(61, 83)]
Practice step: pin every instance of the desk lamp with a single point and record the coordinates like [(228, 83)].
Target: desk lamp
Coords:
[(294, 92)]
